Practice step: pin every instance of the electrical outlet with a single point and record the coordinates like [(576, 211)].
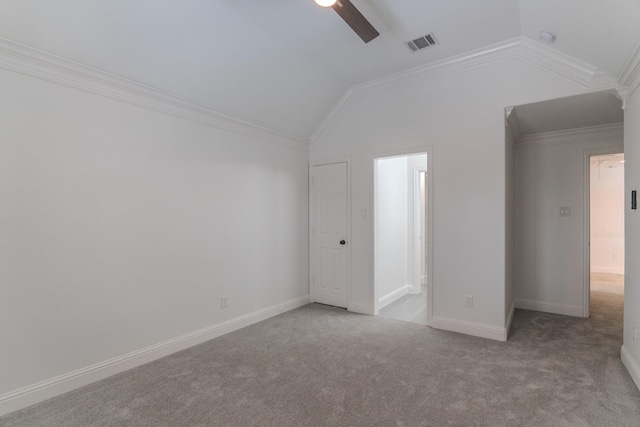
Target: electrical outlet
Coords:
[(224, 302), (468, 301)]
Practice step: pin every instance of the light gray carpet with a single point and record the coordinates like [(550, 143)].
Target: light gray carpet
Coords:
[(321, 366)]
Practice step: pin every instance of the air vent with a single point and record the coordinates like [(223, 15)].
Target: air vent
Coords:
[(422, 42)]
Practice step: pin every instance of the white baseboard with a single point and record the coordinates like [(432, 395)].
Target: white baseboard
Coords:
[(29, 395), (362, 309), (566, 309), (469, 328), (631, 365), (510, 319), (607, 270), (392, 297)]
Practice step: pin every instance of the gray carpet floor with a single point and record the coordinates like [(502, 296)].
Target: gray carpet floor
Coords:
[(322, 366)]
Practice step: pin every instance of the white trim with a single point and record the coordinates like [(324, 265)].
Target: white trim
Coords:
[(362, 309), (29, 395), (630, 75), (579, 72), (631, 365), (510, 319), (546, 307), (470, 328), (35, 63), (393, 296), (614, 131), (571, 68), (419, 247)]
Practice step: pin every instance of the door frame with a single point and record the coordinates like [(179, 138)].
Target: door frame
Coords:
[(428, 150), (347, 161), (419, 225), (586, 238)]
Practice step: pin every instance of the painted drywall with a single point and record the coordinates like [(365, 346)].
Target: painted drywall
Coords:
[(391, 228), (631, 346), (607, 215), (461, 117), (415, 212), (509, 226), (121, 228), (550, 263)]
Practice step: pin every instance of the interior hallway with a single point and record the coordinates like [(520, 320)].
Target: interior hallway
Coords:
[(409, 308)]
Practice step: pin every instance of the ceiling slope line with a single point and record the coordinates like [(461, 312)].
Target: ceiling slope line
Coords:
[(35, 63), (579, 72), (582, 73), (331, 119), (613, 131), (416, 75), (630, 75)]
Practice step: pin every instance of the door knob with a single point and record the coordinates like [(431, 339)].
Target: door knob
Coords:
[(342, 242)]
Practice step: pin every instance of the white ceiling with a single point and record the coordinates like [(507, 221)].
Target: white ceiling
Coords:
[(589, 109), (285, 63)]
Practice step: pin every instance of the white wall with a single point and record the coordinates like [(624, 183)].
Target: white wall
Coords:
[(550, 173), (391, 228), (631, 347), (510, 293), (121, 228), (607, 216), (461, 117)]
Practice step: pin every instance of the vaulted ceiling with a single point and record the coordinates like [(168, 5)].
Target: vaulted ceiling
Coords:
[(285, 63)]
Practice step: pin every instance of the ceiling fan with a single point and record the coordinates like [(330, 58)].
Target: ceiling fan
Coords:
[(352, 17)]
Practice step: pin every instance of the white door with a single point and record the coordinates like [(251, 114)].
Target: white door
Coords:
[(329, 252)]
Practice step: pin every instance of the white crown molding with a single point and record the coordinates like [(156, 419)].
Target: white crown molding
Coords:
[(511, 122), (610, 132), (587, 76), (630, 76), (29, 395), (507, 112), (443, 68), (579, 72), (416, 75), (32, 62)]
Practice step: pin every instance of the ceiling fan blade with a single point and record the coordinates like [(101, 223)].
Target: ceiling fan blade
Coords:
[(356, 20)]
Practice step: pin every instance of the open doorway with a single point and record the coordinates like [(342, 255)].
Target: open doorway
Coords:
[(401, 236), (606, 231)]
